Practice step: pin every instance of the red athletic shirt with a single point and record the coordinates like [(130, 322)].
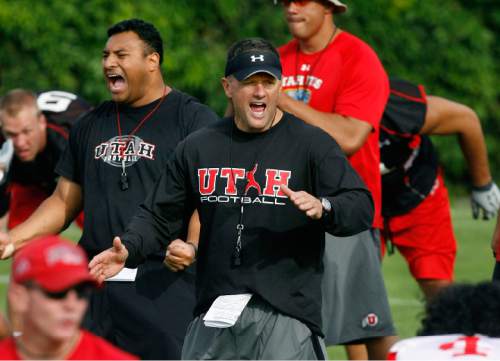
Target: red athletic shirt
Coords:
[(90, 347), (347, 78)]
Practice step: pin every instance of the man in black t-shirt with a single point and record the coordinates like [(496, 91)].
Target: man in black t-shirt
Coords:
[(266, 187), (115, 155)]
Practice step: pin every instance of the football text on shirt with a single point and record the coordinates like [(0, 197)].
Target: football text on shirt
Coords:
[(210, 179)]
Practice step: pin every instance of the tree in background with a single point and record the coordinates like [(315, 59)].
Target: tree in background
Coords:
[(448, 45)]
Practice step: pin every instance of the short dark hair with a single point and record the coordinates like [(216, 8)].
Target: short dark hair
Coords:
[(146, 31), (249, 45), (464, 308)]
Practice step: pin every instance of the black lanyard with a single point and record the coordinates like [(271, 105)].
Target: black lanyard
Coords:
[(236, 259)]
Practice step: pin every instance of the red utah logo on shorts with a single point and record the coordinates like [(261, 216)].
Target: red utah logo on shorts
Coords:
[(371, 320)]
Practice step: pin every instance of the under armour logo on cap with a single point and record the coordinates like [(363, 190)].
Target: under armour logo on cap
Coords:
[(255, 58), (248, 63)]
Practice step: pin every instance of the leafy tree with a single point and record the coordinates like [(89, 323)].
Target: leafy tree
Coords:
[(449, 46)]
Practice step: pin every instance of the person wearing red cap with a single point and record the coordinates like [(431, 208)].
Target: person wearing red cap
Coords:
[(52, 284), (335, 81), (35, 128)]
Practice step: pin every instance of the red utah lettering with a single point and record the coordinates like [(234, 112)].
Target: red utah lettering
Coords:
[(274, 179), (231, 174), (207, 187)]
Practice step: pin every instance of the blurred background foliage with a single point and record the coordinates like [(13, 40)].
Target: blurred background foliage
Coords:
[(450, 46)]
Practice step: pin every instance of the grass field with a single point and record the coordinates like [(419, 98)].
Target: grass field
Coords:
[(474, 263)]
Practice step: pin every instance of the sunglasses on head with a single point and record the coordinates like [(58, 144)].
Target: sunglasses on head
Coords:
[(298, 2), (82, 290)]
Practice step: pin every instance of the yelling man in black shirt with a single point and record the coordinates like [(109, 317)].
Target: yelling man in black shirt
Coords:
[(266, 186), (114, 156)]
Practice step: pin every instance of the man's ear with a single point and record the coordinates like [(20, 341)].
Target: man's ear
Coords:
[(153, 61), (42, 119), (226, 84), (329, 8)]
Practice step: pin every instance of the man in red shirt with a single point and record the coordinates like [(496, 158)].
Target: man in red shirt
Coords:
[(52, 286), (333, 80)]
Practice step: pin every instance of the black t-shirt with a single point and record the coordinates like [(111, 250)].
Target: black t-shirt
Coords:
[(93, 159), (408, 160), (282, 249)]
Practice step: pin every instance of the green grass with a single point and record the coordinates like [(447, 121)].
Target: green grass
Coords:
[(474, 263)]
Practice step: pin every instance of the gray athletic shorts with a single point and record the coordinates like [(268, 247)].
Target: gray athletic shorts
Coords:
[(355, 305), (260, 333)]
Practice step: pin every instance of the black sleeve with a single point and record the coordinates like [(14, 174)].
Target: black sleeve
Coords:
[(160, 218), (197, 116), (352, 204)]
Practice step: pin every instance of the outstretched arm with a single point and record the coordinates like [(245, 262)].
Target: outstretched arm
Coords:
[(52, 216), (446, 117), (350, 212), (109, 262)]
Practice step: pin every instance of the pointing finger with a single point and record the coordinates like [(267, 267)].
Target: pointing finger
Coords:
[(288, 192)]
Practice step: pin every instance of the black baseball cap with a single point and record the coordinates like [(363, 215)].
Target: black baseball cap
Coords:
[(248, 63)]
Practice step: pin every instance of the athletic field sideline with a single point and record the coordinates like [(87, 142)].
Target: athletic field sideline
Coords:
[(474, 263)]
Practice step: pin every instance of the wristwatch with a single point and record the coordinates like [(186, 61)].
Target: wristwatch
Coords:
[(327, 206)]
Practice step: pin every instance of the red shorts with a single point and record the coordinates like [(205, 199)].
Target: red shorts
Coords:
[(24, 200), (424, 236)]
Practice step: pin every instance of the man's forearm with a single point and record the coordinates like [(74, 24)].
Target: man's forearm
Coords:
[(474, 149), (49, 218), (352, 213), (349, 133), (147, 234), (446, 117)]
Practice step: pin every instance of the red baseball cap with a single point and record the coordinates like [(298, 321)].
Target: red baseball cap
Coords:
[(52, 263)]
